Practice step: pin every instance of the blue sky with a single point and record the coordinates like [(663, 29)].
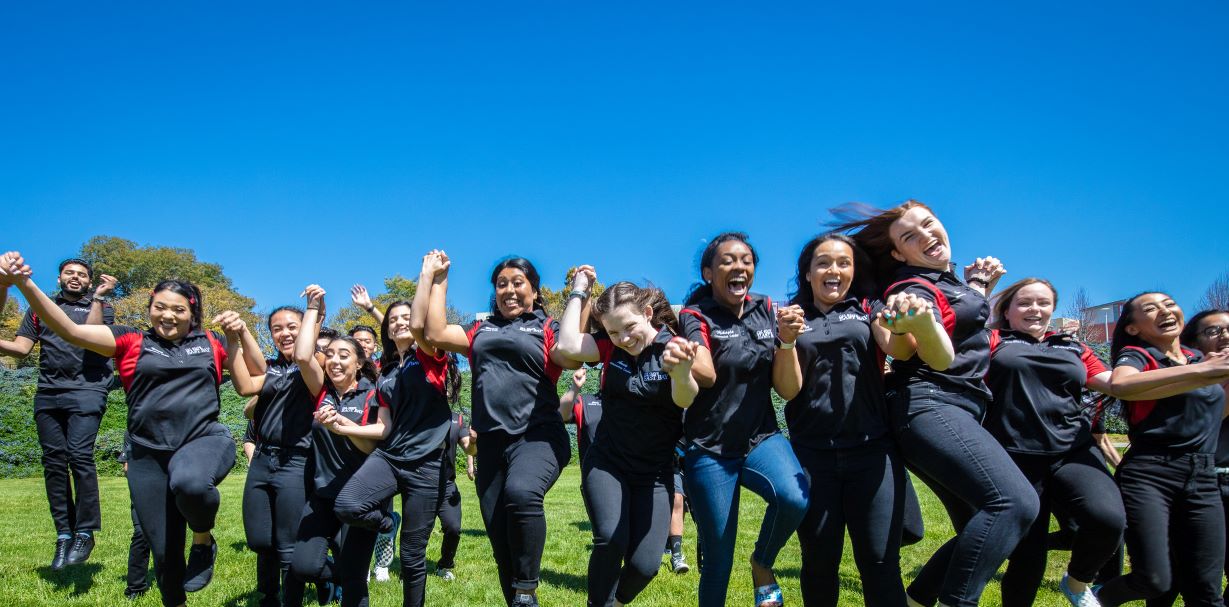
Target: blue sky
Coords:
[(315, 142)]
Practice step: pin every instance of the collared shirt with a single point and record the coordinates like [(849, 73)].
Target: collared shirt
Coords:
[(1038, 387), (1183, 423), (734, 415), (61, 365), (283, 413), (514, 380), (841, 403), (414, 396), (336, 456)]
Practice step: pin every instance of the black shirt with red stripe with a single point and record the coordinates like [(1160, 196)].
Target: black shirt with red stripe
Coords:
[(640, 422), (171, 388), (414, 395), (283, 413), (513, 377), (336, 456), (63, 366), (1038, 387), (1184, 423), (587, 411), (965, 377), (734, 415), (841, 403), (457, 429)]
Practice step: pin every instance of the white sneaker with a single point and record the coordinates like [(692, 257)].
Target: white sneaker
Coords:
[(447, 574), (1079, 599), (381, 574)]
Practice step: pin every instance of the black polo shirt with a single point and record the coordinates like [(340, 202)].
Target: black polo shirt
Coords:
[(414, 395), (63, 366), (336, 456), (1038, 388), (1185, 423), (171, 389), (587, 411), (457, 428), (730, 418), (640, 422), (1222, 443), (841, 403), (283, 414), (963, 383), (513, 377)]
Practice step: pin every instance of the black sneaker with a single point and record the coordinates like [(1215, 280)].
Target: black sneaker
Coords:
[(62, 546), (525, 600), (133, 594), (200, 566), (83, 545)]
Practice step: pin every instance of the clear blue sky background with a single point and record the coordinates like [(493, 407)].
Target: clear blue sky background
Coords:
[(298, 142)]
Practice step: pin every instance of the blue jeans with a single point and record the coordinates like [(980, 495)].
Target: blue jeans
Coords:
[(771, 471)]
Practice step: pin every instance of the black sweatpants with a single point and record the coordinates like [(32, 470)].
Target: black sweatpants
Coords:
[(1086, 492), (631, 521), (1174, 509), (319, 530), (363, 503), (514, 473), (861, 488), (67, 439), (273, 500), (138, 558), (450, 525), (174, 489)]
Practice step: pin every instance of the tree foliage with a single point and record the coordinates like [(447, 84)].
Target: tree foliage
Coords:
[(556, 300), (1079, 309), (10, 320)]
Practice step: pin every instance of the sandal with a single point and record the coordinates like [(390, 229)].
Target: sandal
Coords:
[(769, 595)]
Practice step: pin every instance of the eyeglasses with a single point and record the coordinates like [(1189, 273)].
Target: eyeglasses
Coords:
[(321, 349), (1215, 331)]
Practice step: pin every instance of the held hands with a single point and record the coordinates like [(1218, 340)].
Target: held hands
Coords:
[(328, 417), (13, 269), (315, 298), (106, 286), (986, 270), (905, 313), (578, 379), (678, 356), (435, 265), (790, 322), (232, 324), (584, 278), (1217, 364)]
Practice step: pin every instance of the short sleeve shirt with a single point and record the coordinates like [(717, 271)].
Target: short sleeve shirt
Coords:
[(513, 377), (61, 365), (414, 395), (336, 456), (283, 413), (587, 411), (1184, 423)]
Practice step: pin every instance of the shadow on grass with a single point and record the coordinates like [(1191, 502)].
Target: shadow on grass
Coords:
[(238, 546), (570, 581), (78, 579), (474, 532), (585, 526)]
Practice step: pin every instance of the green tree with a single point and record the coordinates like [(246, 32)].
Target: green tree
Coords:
[(10, 320), (396, 288), (555, 300)]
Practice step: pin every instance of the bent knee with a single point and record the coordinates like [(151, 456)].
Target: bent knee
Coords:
[(523, 498), (192, 486), (1151, 584)]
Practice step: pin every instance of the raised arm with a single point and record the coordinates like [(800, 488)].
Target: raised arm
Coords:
[(983, 274), (439, 333), (305, 343), (98, 304), (907, 327), (431, 262), (571, 394), (1130, 383), (786, 368), (361, 299), (95, 338), (238, 363), (19, 346), (677, 360), (574, 343), (694, 327)]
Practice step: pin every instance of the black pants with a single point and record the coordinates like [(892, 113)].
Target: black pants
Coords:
[(450, 525), (1086, 492), (319, 531), (174, 489), (273, 499), (138, 558), (514, 473), (363, 503), (861, 488), (631, 521), (67, 439), (1168, 598), (1175, 529)]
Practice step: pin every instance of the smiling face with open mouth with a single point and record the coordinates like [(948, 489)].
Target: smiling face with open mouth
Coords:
[(284, 329), (1212, 334), (831, 272), (1158, 320), (171, 315), (514, 294), (341, 362), (74, 280), (731, 273), (919, 239), (1030, 309), (398, 320), (630, 327)]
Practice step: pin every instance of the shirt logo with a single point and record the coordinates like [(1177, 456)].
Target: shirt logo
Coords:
[(487, 329), (654, 376), (852, 316), (594, 402), (763, 334), (620, 365), (156, 350), (194, 350), (350, 409), (529, 330), (726, 333)]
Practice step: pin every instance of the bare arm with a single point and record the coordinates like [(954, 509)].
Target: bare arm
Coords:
[(439, 333), (571, 394), (914, 330), (305, 343), (246, 364), (373, 433), (360, 297), (97, 305), (95, 338), (574, 343), (20, 346), (1106, 446), (677, 360), (1129, 383), (422, 301), (786, 368)]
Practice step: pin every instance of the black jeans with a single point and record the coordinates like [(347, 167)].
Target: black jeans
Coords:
[(1175, 529), (67, 439), (364, 500), (138, 558), (631, 521), (1086, 492), (450, 525), (273, 499), (174, 489), (319, 530), (989, 501), (514, 473), (861, 488), (1168, 598)]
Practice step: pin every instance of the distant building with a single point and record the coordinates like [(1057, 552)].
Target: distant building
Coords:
[(1101, 320), (1064, 325)]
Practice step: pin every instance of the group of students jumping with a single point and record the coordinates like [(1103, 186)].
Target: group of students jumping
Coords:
[(982, 401)]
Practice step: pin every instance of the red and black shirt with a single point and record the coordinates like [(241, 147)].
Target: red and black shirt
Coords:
[(283, 413), (841, 403), (640, 422), (171, 388), (336, 456), (1038, 390), (414, 395), (1184, 423), (587, 411), (457, 429), (61, 365), (513, 377), (730, 418)]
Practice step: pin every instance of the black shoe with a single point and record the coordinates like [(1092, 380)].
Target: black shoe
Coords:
[(200, 566), (324, 592), (133, 594), (62, 546), (524, 600), (83, 545)]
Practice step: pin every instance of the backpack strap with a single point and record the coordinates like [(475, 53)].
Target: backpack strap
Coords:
[(946, 314)]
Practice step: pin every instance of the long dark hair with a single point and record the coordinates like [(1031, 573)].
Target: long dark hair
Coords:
[(1190, 332), (870, 228), (390, 358), (1002, 301), (531, 273), (189, 292), (704, 289), (366, 368), (624, 293), (1121, 338), (862, 285)]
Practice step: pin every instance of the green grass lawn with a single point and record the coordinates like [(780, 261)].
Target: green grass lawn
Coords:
[(27, 543)]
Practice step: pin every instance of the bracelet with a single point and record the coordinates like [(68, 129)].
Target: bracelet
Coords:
[(370, 308), (983, 283), (578, 293), (785, 345)]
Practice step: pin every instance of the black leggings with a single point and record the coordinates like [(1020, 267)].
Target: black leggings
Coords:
[(273, 501), (861, 488), (1079, 483), (171, 489), (67, 439), (363, 503), (450, 525), (514, 473), (320, 530), (1173, 507), (631, 521), (138, 558)]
